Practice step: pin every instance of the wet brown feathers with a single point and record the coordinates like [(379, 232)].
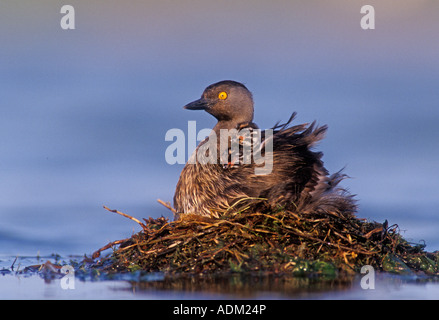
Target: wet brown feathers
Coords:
[(298, 180)]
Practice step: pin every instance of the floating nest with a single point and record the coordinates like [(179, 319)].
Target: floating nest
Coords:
[(277, 242)]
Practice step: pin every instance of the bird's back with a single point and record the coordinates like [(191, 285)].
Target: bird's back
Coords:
[(297, 178)]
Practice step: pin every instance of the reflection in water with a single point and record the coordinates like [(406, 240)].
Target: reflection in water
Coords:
[(245, 285)]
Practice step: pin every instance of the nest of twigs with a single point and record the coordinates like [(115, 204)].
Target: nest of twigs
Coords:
[(281, 241)]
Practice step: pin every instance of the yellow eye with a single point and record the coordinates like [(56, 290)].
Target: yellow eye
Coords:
[(222, 95)]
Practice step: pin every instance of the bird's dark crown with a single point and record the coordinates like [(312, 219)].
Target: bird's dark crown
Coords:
[(228, 101)]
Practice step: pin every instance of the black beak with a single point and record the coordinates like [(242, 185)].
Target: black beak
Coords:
[(200, 104)]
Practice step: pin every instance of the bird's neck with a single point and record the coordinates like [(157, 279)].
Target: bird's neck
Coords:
[(225, 124), (232, 128), (229, 125)]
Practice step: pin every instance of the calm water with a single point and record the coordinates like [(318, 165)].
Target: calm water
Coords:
[(84, 113)]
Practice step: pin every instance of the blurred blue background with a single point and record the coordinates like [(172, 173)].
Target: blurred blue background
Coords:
[(84, 112)]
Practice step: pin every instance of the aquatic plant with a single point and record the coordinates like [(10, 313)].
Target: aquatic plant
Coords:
[(243, 240)]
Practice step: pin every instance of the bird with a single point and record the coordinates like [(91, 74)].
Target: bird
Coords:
[(216, 179)]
